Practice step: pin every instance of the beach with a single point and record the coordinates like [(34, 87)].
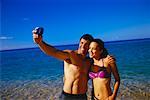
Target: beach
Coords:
[(29, 74), (51, 90)]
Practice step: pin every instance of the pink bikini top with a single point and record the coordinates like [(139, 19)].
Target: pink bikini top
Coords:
[(102, 73)]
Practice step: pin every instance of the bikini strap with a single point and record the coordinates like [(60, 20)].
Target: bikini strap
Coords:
[(102, 62)]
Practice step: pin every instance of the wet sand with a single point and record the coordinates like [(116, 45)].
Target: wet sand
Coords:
[(51, 90)]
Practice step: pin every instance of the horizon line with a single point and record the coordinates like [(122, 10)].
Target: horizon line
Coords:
[(75, 44)]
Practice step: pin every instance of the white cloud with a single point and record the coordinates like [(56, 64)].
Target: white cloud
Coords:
[(5, 38), (25, 19)]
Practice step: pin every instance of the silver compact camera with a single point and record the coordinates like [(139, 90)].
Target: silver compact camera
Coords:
[(39, 30)]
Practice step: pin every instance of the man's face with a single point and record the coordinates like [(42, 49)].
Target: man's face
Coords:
[(83, 46)]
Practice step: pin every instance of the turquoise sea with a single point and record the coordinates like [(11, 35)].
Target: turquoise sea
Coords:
[(29, 74)]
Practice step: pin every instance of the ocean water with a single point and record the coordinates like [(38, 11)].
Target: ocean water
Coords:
[(29, 74)]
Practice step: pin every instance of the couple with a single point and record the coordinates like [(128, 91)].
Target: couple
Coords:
[(77, 66)]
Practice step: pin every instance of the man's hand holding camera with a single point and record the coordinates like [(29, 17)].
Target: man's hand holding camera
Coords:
[(37, 35)]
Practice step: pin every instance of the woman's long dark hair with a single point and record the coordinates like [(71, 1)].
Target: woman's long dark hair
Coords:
[(101, 46)]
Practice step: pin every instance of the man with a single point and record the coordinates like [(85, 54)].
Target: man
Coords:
[(76, 66)]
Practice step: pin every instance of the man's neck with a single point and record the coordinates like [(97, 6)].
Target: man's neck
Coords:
[(82, 55)]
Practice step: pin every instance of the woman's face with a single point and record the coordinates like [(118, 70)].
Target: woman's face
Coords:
[(94, 50)]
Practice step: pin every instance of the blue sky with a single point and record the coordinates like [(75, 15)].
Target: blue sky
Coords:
[(65, 21)]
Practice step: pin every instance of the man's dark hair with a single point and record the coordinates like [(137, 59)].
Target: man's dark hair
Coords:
[(87, 37)]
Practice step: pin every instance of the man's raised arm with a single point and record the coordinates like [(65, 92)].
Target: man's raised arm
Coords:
[(48, 49)]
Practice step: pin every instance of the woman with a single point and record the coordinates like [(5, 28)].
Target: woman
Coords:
[(101, 72)]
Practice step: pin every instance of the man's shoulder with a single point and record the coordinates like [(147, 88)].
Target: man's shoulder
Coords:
[(72, 55)]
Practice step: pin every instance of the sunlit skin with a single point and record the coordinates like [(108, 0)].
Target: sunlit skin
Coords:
[(102, 89), (75, 77), (76, 66)]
